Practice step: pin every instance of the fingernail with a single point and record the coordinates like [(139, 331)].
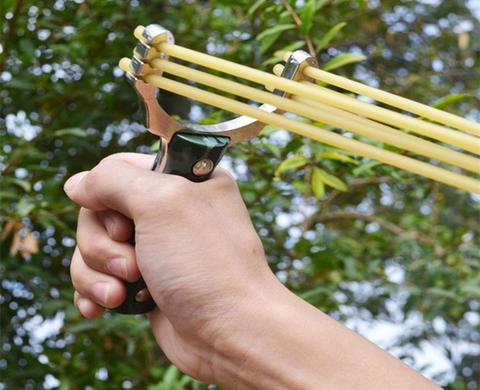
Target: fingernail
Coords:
[(71, 183), (117, 267), (82, 305), (101, 291)]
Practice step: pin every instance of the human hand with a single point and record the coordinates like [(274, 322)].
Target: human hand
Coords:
[(195, 247), (222, 316)]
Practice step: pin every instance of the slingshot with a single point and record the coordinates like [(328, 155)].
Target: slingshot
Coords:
[(192, 150)]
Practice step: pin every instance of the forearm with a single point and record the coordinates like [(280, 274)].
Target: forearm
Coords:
[(283, 342)]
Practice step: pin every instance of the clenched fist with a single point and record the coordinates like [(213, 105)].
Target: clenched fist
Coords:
[(222, 316)]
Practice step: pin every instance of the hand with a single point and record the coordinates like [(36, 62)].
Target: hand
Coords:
[(222, 316), (195, 247)]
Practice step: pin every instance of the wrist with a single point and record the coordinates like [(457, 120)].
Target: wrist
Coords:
[(250, 351), (279, 341)]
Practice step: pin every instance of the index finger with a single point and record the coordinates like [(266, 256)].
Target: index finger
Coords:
[(117, 182)]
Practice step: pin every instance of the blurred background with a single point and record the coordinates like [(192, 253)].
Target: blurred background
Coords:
[(391, 255)]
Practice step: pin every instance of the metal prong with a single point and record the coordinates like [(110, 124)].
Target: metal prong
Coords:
[(142, 51), (295, 63), (131, 78), (140, 68), (157, 120), (155, 34)]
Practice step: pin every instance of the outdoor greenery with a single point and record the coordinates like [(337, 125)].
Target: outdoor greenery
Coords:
[(371, 245)]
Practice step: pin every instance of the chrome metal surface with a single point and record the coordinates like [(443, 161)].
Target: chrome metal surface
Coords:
[(203, 167), (156, 119), (239, 129), (155, 34), (299, 59)]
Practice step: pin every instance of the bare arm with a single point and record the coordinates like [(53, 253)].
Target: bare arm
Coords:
[(222, 316), (284, 342)]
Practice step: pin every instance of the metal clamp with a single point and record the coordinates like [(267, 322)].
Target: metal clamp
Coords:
[(158, 122)]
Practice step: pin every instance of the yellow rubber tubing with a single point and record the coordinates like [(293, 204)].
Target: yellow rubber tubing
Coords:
[(324, 95), (393, 100), (321, 135), (383, 115), (326, 114)]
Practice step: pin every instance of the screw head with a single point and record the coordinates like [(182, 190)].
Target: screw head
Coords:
[(203, 167)]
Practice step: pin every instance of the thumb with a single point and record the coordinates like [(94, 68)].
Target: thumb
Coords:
[(115, 183)]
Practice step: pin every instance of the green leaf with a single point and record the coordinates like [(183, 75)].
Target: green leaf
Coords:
[(329, 180), (306, 13), (7, 5), (274, 149), (20, 84), (74, 131), (184, 380), (215, 117), (65, 384), (318, 186), (320, 4), (171, 375), (24, 184), (274, 30), (27, 46), (156, 372), (327, 38), (450, 99), (290, 47), (315, 291), (268, 129), (278, 55), (366, 169), (342, 60), (24, 206), (155, 146), (293, 162), (255, 6), (270, 35), (299, 185), (337, 156)]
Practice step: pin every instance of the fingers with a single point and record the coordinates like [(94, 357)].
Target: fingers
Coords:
[(102, 289), (123, 183), (100, 252), (87, 307), (117, 182), (118, 227)]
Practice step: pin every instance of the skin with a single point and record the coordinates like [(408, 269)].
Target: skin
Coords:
[(222, 317)]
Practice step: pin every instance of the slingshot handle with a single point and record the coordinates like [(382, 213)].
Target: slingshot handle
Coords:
[(193, 156)]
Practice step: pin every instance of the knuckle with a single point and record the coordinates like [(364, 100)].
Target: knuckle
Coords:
[(106, 166), (224, 180), (102, 170), (146, 191), (92, 248), (167, 194), (142, 184), (179, 194), (114, 157), (179, 188)]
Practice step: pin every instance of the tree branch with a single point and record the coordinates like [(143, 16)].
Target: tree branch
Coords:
[(298, 22), (389, 226)]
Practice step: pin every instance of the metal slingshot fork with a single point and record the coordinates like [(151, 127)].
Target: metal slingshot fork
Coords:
[(187, 149)]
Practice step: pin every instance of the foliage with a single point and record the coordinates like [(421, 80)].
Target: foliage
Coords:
[(361, 241)]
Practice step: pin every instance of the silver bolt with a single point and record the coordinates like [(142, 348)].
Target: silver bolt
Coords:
[(143, 295), (203, 167)]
